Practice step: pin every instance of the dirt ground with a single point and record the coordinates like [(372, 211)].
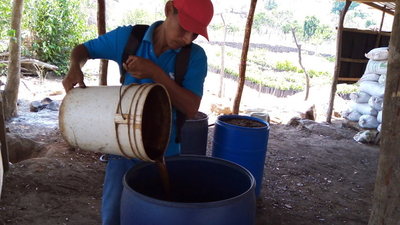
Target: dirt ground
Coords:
[(314, 173)]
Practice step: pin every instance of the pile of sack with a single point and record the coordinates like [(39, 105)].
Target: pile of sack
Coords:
[(367, 103)]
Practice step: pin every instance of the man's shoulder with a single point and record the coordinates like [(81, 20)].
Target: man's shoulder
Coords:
[(197, 49)]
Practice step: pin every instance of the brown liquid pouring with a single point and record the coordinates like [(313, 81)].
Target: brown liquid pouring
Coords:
[(159, 159), (162, 170)]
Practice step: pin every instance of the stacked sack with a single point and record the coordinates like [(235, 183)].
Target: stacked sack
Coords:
[(367, 103)]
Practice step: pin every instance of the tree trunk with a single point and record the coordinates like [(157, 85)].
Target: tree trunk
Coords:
[(222, 73), (301, 64), (101, 27), (386, 203), (242, 67), (337, 63), (14, 65)]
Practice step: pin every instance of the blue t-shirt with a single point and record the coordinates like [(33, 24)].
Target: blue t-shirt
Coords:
[(111, 46)]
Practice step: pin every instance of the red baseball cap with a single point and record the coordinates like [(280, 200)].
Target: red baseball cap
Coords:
[(195, 15)]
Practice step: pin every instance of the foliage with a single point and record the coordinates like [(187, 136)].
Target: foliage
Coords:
[(286, 66), (5, 9), (346, 88), (338, 6), (138, 16), (262, 69), (270, 5), (258, 22), (310, 27), (286, 29), (51, 28), (360, 14), (369, 23)]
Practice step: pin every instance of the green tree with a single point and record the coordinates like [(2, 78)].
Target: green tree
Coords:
[(5, 9), (287, 28), (270, 5), (369, 23), (138, 16), (325, 32), (259, 21), (310, 27), (55, 27), (338, 5)]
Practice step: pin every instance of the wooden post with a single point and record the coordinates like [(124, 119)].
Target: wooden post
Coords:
[(385, 207), (243, 59), (378, 38), (338, 59), (3, 140), (101, 27)]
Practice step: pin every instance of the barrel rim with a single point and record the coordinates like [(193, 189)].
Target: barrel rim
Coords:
[(219, 121), (199, 120), (249, 191)]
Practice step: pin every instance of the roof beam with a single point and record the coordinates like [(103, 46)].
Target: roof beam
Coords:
[(382, 8)]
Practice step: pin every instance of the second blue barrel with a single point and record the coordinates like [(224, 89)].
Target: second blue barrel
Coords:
[(242, 140), (194, 135)]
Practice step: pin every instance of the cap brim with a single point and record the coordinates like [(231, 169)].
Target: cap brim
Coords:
[(192, 25)]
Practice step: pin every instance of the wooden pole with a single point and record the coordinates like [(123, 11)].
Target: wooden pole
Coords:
[(378, 38), (385, 208), (245, 49), (3, 140), (101, 27), (222, 72), (338, 60)]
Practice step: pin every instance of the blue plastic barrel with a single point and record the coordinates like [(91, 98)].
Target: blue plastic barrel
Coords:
[(204, 190), (194, 135), (246, 146)]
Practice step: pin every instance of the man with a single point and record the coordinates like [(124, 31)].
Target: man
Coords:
[(154, 62)]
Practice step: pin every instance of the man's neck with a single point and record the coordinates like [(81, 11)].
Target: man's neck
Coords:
[(159, 40)]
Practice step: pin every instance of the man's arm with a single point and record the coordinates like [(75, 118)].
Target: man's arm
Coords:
[(184, 100), (79, 56)]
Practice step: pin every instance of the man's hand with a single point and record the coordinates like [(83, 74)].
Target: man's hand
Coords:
[(141, 68), (74, 76)]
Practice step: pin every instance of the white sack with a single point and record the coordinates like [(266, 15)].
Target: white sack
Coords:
[(382, 79), (379, 117), (380, 53), (363, 108), (369, 77), (351, 115), (378, 67), (368, 121), (360, 97), (376, 103), (372, 88)]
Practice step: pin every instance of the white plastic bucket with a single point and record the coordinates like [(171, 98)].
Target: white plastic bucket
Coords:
[(90, 119)]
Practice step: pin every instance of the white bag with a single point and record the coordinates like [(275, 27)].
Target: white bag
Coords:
[(379, 127), (378, 67), (364, 137), (368, 121), (376, 102), (369, 77), (382, 79), (372, 88), (379, 117), (360, 97), (363, 108), (380, 53), (351, 115)]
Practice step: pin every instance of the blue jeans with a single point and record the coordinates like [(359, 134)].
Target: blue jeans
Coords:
[(117, 166)]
